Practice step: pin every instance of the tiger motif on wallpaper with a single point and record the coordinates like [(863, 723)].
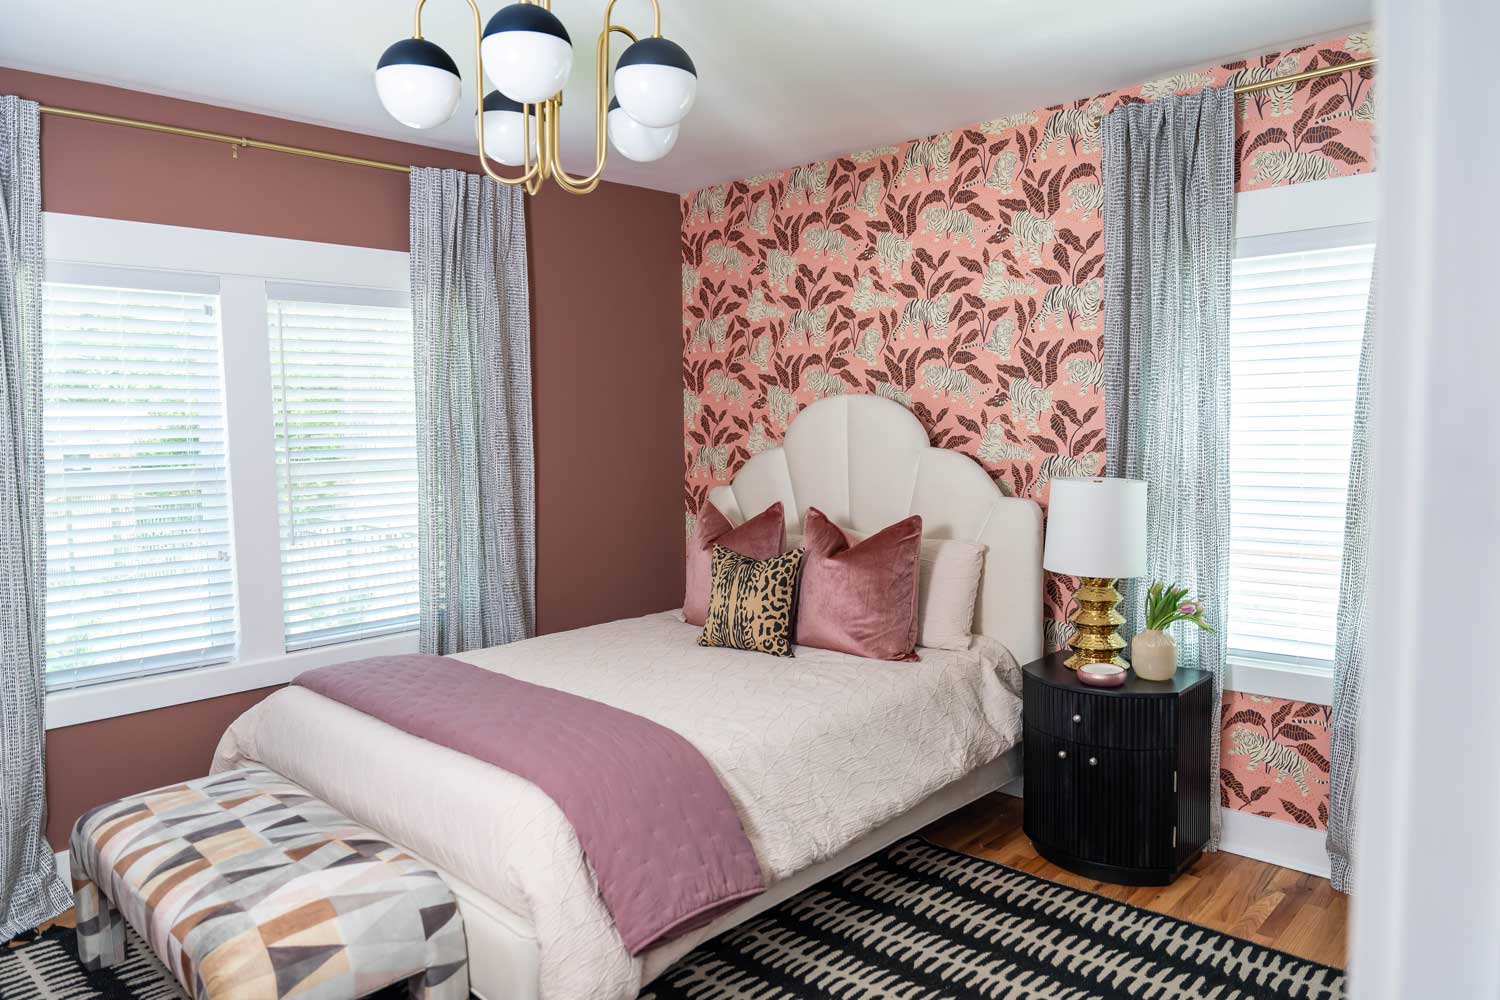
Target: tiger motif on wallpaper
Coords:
[(1261, 750)]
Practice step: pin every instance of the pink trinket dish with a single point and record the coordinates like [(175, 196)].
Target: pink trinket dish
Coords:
[(1101, 675)]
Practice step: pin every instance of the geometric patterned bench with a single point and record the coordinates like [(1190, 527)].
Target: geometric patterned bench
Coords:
[(248, 888)]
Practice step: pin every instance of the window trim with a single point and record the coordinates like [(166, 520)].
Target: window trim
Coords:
[(1308, 216), (243, 264)]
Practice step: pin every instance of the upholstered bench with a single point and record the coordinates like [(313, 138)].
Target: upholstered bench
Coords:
[(248, 888)]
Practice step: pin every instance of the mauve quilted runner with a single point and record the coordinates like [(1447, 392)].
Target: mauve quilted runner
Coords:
[(656, 825)]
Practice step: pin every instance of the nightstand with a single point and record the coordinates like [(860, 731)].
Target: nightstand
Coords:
[(1117, 779)]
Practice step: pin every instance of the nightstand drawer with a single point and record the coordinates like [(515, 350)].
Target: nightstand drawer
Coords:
[(1101, 720)]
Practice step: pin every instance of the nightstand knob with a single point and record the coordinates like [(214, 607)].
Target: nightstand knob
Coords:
[(1062, 755), (1077, 717), (1093, 762)]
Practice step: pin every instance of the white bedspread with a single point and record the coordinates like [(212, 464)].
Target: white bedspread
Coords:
[(815, 751)]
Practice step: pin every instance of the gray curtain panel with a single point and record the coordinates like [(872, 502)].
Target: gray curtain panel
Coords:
[(1353, 626), (30, 891), (472, 318), (1168, 249)]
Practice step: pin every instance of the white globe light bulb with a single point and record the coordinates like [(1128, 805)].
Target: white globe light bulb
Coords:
[(656, 82), (638, 142), (504, 139), (527, 53), (418, 83)]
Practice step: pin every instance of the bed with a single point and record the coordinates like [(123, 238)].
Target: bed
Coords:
[(827, 757)]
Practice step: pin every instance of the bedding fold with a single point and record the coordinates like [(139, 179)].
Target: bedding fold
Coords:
[(657, 827)]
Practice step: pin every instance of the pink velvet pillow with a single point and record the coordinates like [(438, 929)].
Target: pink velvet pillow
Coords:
[(762, 537), (860, 598)]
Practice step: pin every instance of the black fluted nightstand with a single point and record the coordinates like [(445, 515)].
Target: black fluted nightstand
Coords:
[(1117, 779)]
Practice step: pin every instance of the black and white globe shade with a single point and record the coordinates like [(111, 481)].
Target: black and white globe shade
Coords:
[(504, 139), (656, 82), (418, 83), (527, 52), (635, 141)]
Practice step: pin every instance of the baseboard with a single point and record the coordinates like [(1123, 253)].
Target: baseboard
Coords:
[(1251, 836), (1271, 840)]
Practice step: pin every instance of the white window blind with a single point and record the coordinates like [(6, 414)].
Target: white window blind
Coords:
[(1297, 320), (139, 571), (346, 458)]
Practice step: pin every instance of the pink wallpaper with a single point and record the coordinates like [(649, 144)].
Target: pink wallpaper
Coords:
[(958, 274), (1275, 759)]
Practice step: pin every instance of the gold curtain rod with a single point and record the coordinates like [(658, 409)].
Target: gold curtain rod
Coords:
[(241, 142), (1311, 74)]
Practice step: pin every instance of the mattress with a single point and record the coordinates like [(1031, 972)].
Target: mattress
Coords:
[(815, 751)]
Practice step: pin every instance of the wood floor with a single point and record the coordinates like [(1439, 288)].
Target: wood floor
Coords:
[(1274, 906), (1277, 907)]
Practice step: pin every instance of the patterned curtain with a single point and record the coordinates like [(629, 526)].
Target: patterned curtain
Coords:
[(472, 318), (30, 891), (1353, 627), (1168, 245)]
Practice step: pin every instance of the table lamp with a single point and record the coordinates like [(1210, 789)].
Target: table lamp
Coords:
[(1096, 530)]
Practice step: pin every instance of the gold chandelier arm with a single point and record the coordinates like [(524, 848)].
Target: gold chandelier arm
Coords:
[(655, 18), (583, 185), (535, 170)]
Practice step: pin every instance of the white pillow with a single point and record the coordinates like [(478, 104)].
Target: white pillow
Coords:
[(947, 592)]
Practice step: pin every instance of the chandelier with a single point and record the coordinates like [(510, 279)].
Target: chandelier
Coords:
[(527, 55)]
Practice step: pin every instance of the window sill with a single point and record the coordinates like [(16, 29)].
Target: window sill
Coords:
[(127, 696), (1279, 680)]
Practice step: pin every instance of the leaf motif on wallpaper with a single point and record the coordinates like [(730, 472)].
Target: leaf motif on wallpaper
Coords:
[(1280, 715), (1292, 731), (1266, 138), (1341, 152), (1302, 816), (1322, 815), (1229, 781), (1248, 715), (1312, 756)]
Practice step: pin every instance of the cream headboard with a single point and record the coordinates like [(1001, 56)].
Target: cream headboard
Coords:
[(866, 463)]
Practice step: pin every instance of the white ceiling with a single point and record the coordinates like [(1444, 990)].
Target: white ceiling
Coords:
[(783, 82)]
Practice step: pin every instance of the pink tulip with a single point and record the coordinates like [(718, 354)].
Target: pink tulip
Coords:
[(1188, 609)]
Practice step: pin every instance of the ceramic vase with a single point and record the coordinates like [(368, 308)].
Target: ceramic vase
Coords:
[(1153, 655)]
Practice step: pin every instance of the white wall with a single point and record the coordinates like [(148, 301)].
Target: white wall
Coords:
[(1426, 900)]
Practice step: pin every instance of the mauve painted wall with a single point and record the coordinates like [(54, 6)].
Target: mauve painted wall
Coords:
[(605, 310)]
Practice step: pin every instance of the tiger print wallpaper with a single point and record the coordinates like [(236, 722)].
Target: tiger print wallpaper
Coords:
[(960, 275)]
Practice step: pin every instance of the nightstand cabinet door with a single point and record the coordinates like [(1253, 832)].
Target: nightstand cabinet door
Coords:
[(1127, 807), (1051, 763)]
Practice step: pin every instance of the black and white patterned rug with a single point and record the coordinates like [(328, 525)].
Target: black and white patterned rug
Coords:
[(918, 922)]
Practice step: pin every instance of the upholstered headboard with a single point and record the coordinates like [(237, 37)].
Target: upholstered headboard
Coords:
[(866, 463)]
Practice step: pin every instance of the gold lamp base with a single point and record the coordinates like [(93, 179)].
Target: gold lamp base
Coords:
[(1096, 621)]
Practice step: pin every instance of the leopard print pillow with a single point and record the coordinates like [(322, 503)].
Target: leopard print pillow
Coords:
[(753, 603)]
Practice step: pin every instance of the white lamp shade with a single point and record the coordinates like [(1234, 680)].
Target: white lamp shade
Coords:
[(1096, 527), (638, 142)]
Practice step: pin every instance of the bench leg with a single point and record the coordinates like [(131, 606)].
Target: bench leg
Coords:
[(101, 929)]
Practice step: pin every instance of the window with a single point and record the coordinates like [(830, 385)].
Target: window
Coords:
[(139, 566), (1297, 319), (346, 467), (229, 462)]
